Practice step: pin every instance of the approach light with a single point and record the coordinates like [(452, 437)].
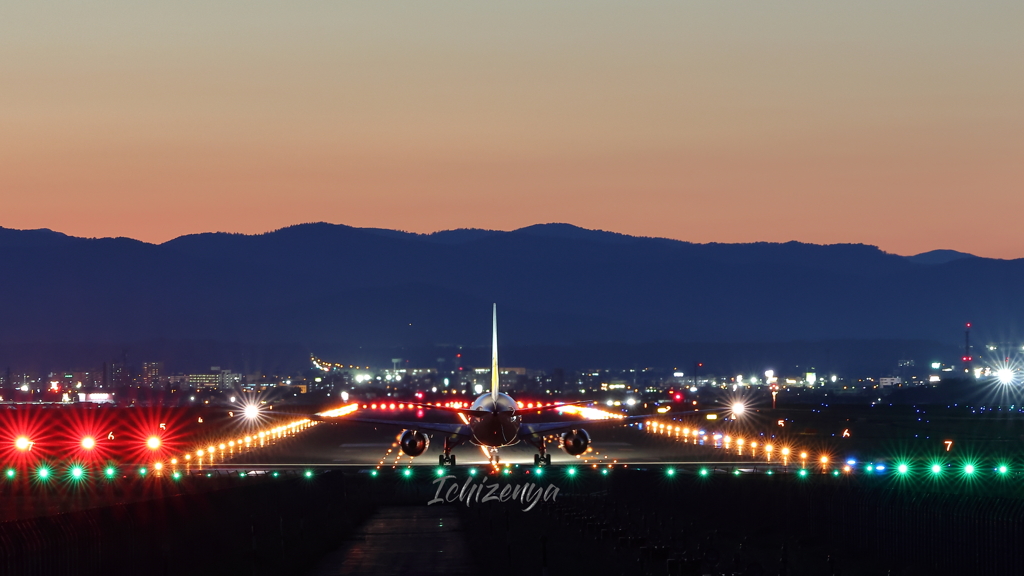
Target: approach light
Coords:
[(153, 443), (88, 443)]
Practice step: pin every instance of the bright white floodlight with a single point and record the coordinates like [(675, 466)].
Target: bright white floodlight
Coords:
[(1005, 376), (252, 412), (738, 409)]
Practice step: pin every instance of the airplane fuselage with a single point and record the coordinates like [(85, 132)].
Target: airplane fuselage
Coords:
[(497, 423)]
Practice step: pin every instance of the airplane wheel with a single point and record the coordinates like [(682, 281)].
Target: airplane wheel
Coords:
[(547, 459), (441, 460), (536, 459), (452, 459)]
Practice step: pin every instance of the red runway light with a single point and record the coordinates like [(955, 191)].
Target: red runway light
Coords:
[(22, 443), (88, 443), (153, 443)]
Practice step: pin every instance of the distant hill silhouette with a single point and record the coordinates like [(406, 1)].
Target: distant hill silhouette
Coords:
[(324, 287), (939, 257)]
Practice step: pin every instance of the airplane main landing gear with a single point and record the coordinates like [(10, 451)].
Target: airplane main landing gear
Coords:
[(447, 458), (542, 458)]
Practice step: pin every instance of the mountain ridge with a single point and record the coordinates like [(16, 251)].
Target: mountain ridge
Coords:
[(555, 284)]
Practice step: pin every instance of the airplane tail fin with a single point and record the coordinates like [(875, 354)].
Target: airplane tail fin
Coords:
[(494, 356)]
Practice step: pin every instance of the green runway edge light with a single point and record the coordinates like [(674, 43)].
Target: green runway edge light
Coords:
[(1003, 469), (604, 471), (142, 471), (372, 473), (43, 473), (671, 472), (77, 472), (902, 468), (472, 471), (969, 469), (571, 471), (440, 472), (539, 471), (109, 472), (703, 471), (936, 468), (309, 474), (802, 473), (10, 473)]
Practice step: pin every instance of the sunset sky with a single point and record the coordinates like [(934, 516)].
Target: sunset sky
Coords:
[(899, 124)]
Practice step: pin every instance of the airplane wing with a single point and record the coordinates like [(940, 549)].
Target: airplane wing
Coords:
[(441, 427), (545, 427)]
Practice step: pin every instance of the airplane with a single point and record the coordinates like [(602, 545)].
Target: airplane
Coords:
[(491, 421)]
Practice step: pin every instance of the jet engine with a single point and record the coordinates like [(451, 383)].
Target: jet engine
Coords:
[(413, 443), (575, 442)]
